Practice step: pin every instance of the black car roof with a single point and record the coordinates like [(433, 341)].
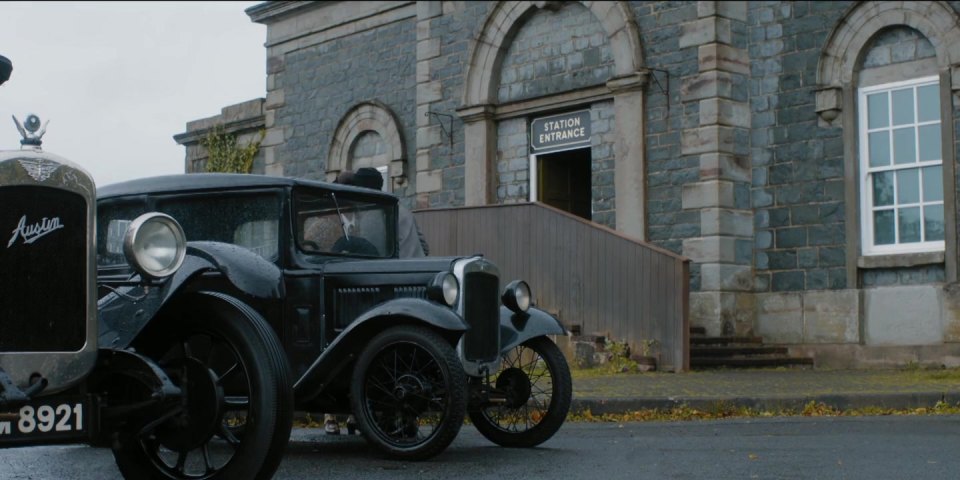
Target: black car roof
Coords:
[(195, 182)]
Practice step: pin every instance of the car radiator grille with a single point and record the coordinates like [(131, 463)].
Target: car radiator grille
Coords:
[(43, 262), (481, 310)]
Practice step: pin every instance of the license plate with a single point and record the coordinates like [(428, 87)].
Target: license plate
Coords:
[(46, 420)]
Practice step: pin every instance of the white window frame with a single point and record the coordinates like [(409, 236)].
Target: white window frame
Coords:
[(865, 173)]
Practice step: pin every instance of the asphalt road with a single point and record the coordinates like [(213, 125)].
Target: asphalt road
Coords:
[(777, 448)]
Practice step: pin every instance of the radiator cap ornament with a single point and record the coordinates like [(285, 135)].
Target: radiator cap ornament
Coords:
[(30, 130)]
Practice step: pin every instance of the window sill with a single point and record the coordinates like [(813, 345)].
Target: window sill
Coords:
[(900, 260)]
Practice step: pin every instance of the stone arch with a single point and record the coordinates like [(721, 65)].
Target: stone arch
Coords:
[(479, 104), (490, 46), (935, 20), (366, 117), (836, 99)]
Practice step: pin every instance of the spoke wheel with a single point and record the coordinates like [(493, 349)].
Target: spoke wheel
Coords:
[(535, 380), (408, 393), (236, 413)]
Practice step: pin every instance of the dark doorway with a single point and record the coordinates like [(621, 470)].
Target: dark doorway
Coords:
[(564, 181)]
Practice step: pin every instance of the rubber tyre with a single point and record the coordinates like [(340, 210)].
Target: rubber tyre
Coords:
[(446, 377), (260, 440), (542, 425)]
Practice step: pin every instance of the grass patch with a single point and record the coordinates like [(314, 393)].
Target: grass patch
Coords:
[(723, 410)]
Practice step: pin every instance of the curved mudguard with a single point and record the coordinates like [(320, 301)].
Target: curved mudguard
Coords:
[(516, 328), (125, 312), (350, 343)]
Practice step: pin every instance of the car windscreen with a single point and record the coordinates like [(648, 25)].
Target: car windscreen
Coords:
[(249, 220), (330, 224)]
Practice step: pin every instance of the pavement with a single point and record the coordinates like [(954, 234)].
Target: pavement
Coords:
[(771, 390), (765, 389)]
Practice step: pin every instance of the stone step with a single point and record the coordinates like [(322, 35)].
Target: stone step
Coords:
[(750, 362), (736, 351), (698, 331), (698, 340)]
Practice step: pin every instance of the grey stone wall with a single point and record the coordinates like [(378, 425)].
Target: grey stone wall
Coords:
[(322, 82), (602, 123), (459, 23), (798, 179), (660, 25), (555, 52), (513, 161)]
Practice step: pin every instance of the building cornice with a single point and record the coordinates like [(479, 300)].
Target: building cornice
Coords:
[(268, 12)]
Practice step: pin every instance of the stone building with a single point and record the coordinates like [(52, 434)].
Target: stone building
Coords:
[(801, 153)]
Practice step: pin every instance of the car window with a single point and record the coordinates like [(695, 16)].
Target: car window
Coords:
[(344, 226), (249, 220)]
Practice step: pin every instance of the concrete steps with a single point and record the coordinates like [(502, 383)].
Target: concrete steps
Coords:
[(739, 352)]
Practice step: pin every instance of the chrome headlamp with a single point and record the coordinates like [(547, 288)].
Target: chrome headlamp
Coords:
[(444, 288), (154, 245), (517, 296)]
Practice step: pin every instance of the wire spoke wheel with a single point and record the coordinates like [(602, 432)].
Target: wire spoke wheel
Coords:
[(235, 413), (535, 380), (409, 393)]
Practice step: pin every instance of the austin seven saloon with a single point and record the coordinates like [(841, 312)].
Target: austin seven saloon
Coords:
[(182, 320)]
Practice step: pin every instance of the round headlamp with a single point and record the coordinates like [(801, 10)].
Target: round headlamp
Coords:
[(516, 296), (444, 288), (154, 245)]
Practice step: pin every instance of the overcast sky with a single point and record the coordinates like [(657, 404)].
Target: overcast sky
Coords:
[(118, 79)]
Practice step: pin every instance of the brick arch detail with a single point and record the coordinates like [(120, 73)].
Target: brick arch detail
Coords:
[(935, 20), (488, 49), (364, 117)]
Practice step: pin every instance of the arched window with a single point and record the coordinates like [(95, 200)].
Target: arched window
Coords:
[(367, 136), (886, 76)]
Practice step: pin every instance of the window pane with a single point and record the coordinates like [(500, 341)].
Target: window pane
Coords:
[(929, 142), (933, 222), (909, 225), (877, 111), (928, 103), (902, 106), (904, 146), (882, 189), (908, 186), (932, 184), (883, 228), (880, 149)]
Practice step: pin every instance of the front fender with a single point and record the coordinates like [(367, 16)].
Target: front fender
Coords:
[(516, 328), (348, 345), (124, 312)]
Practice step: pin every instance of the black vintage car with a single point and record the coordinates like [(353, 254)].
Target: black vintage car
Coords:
[(181, 320)]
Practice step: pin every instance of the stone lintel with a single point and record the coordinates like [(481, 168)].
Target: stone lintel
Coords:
[(476, 113), (626, 83)]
